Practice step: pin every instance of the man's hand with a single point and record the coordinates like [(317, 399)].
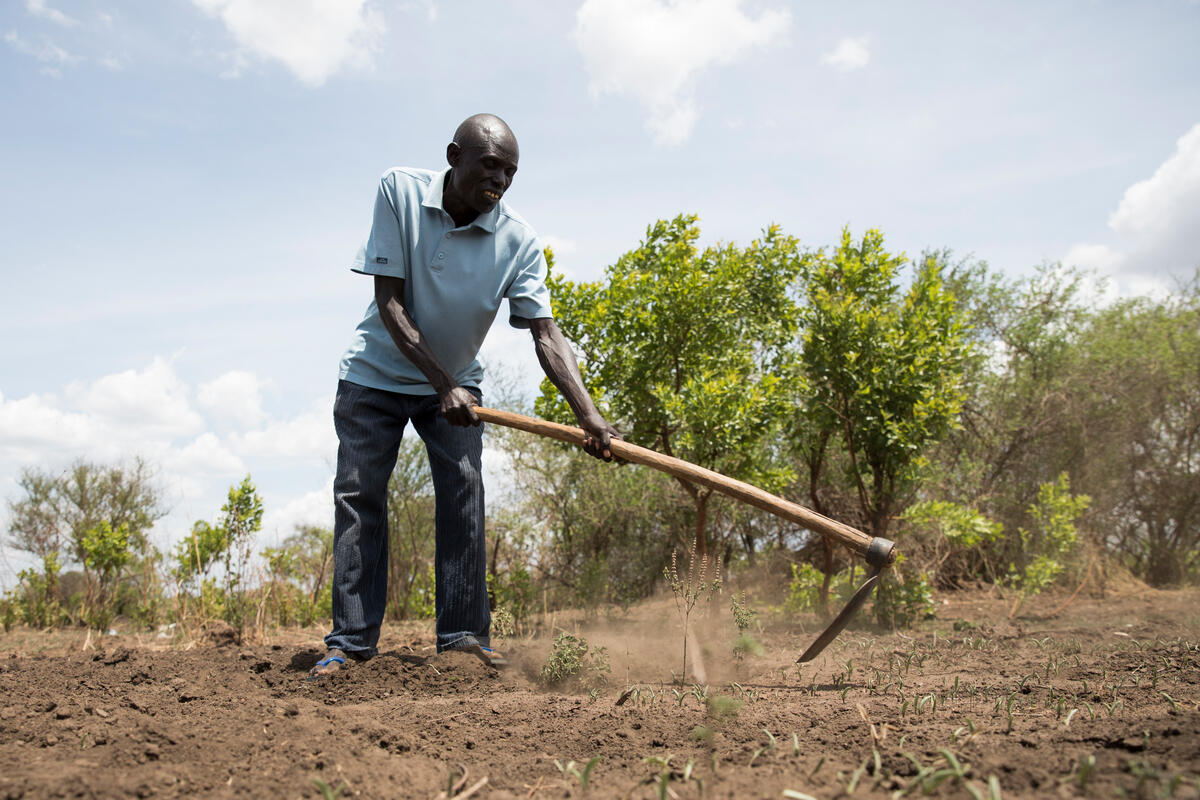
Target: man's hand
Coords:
[(598, 435), (458, 407)]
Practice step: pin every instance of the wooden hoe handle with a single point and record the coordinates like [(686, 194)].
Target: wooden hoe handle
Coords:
[(879, 552)]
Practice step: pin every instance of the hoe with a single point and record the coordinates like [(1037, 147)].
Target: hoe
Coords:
[(878, 552)]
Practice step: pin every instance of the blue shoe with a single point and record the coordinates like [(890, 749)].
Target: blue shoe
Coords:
[(334, 660)]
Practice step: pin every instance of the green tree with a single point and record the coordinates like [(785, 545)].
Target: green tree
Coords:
[(228, 542), (684, 349), (1137, 372), (105, 553), (300, 568), (57, 509), (1019, 427), (883, 369)]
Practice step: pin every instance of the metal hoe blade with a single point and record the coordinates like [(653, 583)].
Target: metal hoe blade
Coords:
[(880, 555)]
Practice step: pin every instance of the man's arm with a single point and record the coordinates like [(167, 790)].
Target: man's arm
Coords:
[(558, 362), (456, 401)]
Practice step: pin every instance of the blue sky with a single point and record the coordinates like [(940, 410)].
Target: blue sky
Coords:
[(182, 184)]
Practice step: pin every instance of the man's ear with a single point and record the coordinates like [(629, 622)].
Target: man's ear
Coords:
[(453, 151)]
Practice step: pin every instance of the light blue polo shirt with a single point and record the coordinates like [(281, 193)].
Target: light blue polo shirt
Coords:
[(454, 280)]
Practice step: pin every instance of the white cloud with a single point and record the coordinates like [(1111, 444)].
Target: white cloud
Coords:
[(306, 436), (33, 426), (233, 398), (652, 51), (311, 508), (154, 401), (1158, 222), (205, 455), (850, 54), (48, 53), (312, 38), (1167, 204), (38, 8)]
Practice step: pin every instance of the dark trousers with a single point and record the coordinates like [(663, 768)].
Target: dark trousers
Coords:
[(369, 424)]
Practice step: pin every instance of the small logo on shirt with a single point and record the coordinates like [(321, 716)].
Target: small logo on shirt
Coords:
[(380, 260)]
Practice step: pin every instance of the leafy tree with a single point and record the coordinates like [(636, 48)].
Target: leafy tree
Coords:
[(1137, 369), (228, 542), (684, 349), (884, 373), (300, 568), (105, 553), (58, 509), (1018, 429)]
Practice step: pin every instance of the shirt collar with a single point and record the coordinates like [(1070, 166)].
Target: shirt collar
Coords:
[(434, 200)]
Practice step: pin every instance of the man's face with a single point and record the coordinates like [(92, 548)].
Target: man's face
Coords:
[(482, 171)]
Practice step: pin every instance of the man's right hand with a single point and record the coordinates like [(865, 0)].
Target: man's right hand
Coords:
[(458, 407)]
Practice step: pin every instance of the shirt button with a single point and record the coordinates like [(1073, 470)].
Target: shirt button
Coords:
[(441, 256)]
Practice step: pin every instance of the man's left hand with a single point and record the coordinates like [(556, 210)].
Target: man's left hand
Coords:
[(598, 435)]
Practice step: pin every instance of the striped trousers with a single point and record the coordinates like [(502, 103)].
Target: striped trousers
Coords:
[(369, 424)]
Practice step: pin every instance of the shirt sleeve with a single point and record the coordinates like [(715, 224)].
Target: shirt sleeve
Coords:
[(528, 297), (385, 252)]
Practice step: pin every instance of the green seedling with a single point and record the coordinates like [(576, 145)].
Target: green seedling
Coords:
[(1084, 770), (331, 793), (856, 776), (1172, 701), (572, 770), (662, 781)]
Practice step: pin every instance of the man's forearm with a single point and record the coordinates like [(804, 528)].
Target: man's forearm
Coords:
[(558, 362), (410, 341)]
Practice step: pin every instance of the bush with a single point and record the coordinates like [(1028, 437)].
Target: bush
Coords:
[(902, 599), (571, 659)]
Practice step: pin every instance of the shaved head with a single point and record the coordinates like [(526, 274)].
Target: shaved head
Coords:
[(481, 129)]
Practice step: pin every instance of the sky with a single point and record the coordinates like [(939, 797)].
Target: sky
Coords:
[(183, 183)]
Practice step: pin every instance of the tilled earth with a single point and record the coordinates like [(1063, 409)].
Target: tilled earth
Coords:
[(1101, 700)]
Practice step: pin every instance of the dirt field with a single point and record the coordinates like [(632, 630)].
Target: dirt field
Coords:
[(1100, 701)]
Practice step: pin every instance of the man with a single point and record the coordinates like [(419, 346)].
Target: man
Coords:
[(444, 249)]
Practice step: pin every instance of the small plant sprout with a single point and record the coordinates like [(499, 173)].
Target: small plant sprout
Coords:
[(1083, 773), (662, 781), (572, 770), (690, 588), (329, 792), (743, 617)]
